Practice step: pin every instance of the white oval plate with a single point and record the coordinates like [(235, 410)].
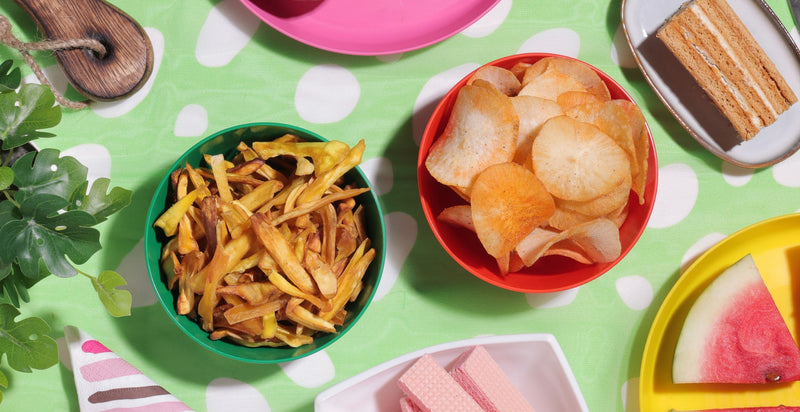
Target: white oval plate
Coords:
[(534, 363), (680, 93)]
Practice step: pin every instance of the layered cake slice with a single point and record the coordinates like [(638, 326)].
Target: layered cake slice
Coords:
[(713, 44)]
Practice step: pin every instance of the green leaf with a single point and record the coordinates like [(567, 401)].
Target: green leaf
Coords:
[(99, 204), (6, 177), (117, 301), (47, 233), (26, 343), (24, 113), (9, 78), (14, 288), (47, 173)]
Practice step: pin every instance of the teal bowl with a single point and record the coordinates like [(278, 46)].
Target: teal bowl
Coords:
[(225, 142)]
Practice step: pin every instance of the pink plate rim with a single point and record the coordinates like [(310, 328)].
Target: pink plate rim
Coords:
[(378, 27)]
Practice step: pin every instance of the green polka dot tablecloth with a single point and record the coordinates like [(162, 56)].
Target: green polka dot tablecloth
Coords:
[(217, 65)]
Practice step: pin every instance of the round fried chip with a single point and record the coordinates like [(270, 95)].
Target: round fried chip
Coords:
[(602, 205), (574, 97), (481, 131), (532, 112), (641, 144), (598, 239), (502, 79), (577, 161), (508, 202), (577, 70), (623, 122), (550, 84)]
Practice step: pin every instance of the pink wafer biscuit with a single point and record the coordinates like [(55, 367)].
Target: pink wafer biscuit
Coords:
[(432, 389), (482, 378), (407, 405)]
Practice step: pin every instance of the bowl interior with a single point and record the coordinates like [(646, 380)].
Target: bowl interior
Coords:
[(225, 142), (551, 273)]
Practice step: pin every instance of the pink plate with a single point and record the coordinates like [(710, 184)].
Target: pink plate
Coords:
[(370, 28)]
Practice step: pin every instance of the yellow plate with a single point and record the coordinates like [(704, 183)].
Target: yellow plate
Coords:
[(775, 246)]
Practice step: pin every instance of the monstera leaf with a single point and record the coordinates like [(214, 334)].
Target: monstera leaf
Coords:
[(10, 76), (22, 114), (47, 173), (27, 345), (117, 301), (99, 202), (45, 232)]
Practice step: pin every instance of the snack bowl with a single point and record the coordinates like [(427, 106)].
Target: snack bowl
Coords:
[(549, 273), (225, 142)]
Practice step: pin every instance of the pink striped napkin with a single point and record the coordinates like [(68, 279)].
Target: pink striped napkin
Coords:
[(105, 382)]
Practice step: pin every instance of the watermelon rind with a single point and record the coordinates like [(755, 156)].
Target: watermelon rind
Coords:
[(734, 333)]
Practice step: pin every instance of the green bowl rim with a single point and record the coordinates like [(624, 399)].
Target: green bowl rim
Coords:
[(222, 347)]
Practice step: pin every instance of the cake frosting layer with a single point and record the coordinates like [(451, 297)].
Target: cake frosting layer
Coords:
[(712, 43)]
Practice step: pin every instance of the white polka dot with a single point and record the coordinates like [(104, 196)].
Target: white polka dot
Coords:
[(326, 94), (621, 52), (487, 24), (699, 247), (787, 172), (95, 157), (311, 371), (432, 92), (227, 29), (192, 121), (227, 394), (635, 291), (401, 234), (120, 107), (630, 395), (675, 196), (551, 300), (133, 269), (560, 41), (736, 175), (380, 174), (54, 75)]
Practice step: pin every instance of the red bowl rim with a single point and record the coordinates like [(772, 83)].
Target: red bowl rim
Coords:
[(544, 276)]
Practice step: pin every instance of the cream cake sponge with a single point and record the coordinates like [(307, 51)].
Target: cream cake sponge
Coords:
[(711, 42)]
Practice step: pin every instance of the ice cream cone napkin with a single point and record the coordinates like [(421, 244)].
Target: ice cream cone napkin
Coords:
[(106, 382)]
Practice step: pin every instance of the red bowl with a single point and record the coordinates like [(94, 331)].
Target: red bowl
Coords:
[(550, 273)]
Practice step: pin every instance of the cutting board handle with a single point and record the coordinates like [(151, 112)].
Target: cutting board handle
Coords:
[(128, 61)]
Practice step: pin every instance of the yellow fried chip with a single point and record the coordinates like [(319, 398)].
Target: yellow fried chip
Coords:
[(508, 202), (581, 72), (602, 205), (459, 215), (481, 131), (502, 79), (569, 249), (532, 112), (550, 84), (598, 238), (574, 97), (641, 143), (577, 161)]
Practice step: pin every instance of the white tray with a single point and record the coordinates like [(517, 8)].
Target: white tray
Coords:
[(533, 362), (680, 93)]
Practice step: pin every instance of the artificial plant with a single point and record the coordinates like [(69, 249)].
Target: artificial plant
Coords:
[(47, 218)]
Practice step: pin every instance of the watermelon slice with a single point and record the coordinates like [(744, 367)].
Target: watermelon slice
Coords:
[(734, 333)]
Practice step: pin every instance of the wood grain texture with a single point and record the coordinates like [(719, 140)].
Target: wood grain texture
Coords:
[(128, 61)]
